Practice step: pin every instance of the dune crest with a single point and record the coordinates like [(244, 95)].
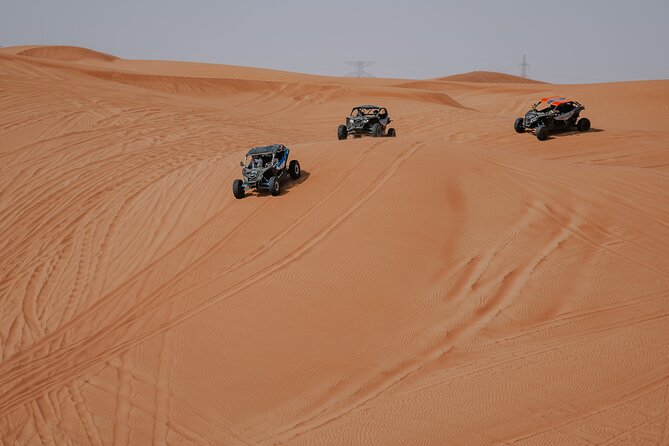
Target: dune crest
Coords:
[(66, 53), (488, 77)]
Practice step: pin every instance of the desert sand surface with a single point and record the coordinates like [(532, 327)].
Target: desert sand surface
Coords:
[(460, 284)]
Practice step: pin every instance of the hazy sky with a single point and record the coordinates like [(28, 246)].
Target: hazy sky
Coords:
[(565, 41)]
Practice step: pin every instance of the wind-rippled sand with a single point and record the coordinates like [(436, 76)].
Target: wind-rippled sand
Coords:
[(458, 284)]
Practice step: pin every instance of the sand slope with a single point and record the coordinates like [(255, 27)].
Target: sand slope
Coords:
[(459, 284)]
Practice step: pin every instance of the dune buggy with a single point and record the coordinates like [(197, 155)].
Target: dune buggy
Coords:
[(264, 168), (556, 113), (369, 120)]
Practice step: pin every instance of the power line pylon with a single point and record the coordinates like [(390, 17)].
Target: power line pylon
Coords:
[(359, 66), (523, 67)]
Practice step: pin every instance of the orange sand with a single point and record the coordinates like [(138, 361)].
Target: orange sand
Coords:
[(460, 284)]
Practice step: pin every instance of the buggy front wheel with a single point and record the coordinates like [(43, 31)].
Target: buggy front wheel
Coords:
[(238, 189), (342, 132), (274, 186), (376, 130), (541, 132), (518, 125)]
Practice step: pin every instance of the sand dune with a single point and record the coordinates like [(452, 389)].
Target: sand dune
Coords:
[(458, 284), (488, 77), (66, 53)]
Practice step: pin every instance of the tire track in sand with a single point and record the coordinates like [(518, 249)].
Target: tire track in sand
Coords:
[(85, 415), (115, 296), (121, 432), (24, 378), (620, 401), (508, 289)]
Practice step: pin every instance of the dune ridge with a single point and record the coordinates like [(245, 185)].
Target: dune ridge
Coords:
[(488, 77), (66, 53), (458, 284)]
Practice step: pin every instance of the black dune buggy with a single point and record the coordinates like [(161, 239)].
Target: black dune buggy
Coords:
[(557, 114), (263, 168), (370, 120)]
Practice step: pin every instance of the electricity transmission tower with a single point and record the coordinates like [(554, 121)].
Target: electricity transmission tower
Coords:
[(359, 66), (523, 67)]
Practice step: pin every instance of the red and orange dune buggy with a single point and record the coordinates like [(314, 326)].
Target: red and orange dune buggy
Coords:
[(557, 113)]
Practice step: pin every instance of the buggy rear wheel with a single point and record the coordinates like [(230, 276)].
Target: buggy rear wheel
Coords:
[(518, 125), (294, 169), (238, 189), (342, 133), (274, 186), (583, 125), (391, 133), (542, 132)]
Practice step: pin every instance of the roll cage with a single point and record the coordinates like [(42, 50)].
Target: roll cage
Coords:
[(368, 111), (562, 105), (265, 156)]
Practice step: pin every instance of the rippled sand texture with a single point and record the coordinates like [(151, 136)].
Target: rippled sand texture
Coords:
[(460, 284)]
